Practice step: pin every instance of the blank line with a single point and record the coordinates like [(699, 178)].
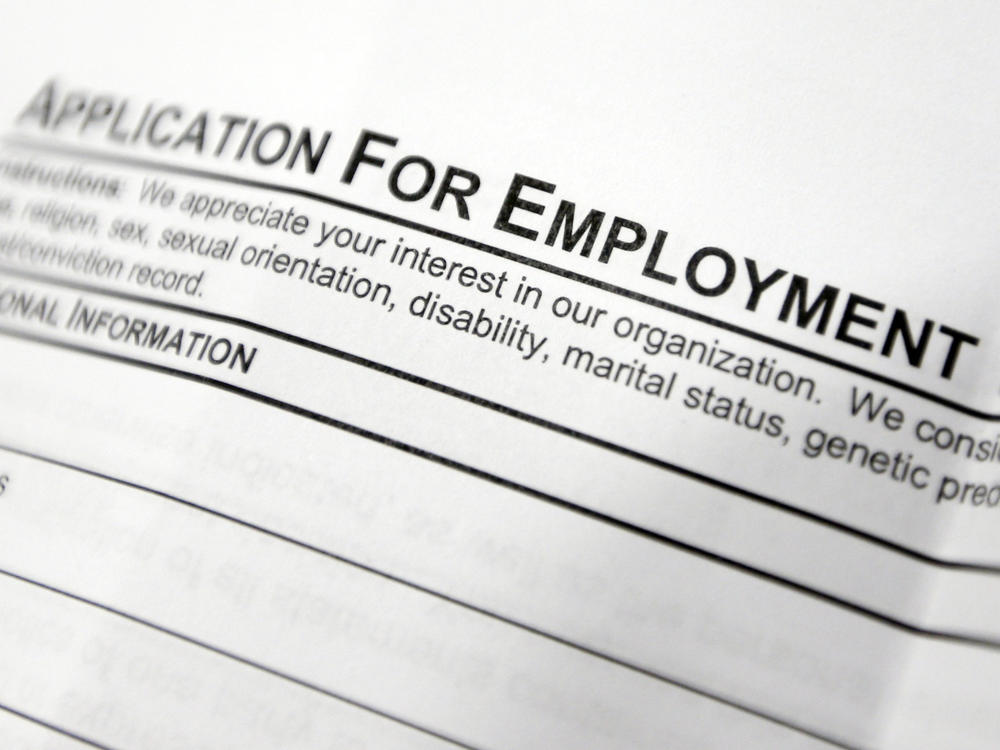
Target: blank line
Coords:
[(779, 505), (53, 727), (236, 657), (583, 648), (801, 588), (501, 253)]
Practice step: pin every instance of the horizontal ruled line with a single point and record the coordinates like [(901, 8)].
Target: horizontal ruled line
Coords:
[(618, 523), (386, 575), (259, 666), (856, 532), (129, 161), (54, 727)]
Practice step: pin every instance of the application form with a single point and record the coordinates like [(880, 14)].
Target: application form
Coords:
[(513, 376)]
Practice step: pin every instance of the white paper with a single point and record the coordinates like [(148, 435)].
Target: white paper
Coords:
[(325, 422)]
